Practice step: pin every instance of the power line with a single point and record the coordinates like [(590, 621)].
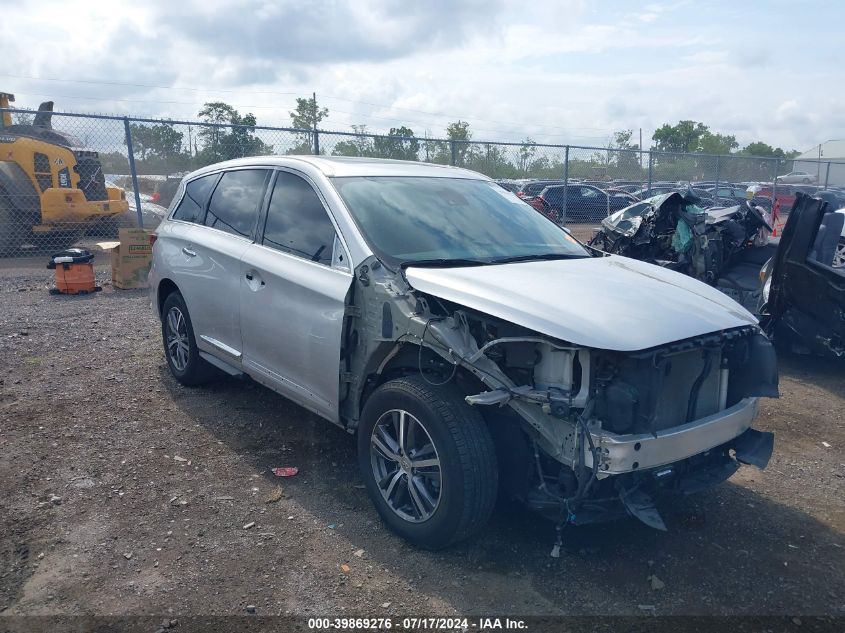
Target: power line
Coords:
[(255, 106), (273, 92)]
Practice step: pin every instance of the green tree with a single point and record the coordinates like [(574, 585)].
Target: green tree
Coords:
[(155, 141), (683, 137), (625, 161), (492, 161), (217, 113), (526, 152), (758, 148), (358, 145), (458, 135), (711, 143), (307, 116), (399, 144), (224, 143)]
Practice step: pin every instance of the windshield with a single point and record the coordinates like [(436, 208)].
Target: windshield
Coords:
[(415, 219)]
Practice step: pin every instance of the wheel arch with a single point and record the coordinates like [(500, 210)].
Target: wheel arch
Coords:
[(410, 359), (165, 288)]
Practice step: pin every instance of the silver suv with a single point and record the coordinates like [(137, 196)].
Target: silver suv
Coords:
[(473, 346)]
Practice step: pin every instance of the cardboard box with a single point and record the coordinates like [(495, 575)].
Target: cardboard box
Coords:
[(131, 259)]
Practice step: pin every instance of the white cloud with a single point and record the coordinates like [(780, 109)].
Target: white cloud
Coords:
[(555, 70)]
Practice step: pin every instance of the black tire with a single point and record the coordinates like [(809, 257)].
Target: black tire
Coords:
[(467, 461), (14, 230), (806, 181), (195, 371)]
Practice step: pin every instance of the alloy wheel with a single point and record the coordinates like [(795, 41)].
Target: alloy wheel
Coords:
[(406, 465), (178, 348)]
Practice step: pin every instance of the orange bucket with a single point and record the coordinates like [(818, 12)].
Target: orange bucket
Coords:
[(74, 272)]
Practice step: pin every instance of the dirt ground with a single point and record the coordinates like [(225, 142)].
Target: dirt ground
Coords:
[(122, 492)]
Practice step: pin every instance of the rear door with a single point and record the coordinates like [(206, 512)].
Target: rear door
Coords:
[(175, 246), (214, 258), (293, 287)]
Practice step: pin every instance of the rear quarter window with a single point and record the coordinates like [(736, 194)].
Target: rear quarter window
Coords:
[(190, 208), (236, 200)]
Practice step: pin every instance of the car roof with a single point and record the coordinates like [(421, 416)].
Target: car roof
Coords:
[(340, 166)]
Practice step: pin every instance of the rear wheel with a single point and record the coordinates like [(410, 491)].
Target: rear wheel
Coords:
[(428, 462), (180, 346)]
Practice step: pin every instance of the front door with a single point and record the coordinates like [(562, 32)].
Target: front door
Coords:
[(293, 289)]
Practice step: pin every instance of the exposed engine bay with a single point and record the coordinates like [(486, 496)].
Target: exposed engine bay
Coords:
[(583, 434)]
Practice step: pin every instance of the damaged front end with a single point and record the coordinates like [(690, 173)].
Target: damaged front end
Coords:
[(582, 434)]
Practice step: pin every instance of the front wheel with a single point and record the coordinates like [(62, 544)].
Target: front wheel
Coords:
[(428, 462)]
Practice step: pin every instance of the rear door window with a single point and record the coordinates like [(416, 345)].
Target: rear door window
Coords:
[(235, 202), (297, 222), (191, 206)]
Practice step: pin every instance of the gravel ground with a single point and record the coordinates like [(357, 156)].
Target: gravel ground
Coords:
[(122, 492)]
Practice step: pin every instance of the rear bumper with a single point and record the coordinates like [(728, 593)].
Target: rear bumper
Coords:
[(629, 453)]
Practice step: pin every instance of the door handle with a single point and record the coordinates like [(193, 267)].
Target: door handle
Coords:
[(251, 277), (189, 252)]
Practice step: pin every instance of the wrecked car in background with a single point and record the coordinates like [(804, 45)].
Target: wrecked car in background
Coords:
[(470, 343), (723, 247), (804, 284)]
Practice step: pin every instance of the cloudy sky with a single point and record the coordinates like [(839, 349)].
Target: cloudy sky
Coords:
[(557, 70)]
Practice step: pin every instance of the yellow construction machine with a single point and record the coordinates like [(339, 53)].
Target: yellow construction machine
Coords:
[(51, 190)]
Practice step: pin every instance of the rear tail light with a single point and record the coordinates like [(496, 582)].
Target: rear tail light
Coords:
[(153, 238)]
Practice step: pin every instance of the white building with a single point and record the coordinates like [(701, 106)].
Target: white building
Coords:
[(816, 160)]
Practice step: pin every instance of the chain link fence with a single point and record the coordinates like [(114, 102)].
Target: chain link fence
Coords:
[(75, 179)]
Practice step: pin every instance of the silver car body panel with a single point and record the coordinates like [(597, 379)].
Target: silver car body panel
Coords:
[(291, 322), (613, 303), (205, 263)]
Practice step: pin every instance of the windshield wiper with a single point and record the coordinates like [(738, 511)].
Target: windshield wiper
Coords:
[(444, 262), (537, 257)]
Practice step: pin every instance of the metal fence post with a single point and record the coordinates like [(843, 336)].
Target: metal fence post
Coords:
[(565, 182), (716, 190), (316, 142), (775, 188), (454, 153), (649, 168), (133, 172), (827, 175)]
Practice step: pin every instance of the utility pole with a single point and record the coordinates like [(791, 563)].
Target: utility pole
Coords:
[(316, 143), (641, 153)]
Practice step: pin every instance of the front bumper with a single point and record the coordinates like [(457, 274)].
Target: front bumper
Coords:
[(629, 453)]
